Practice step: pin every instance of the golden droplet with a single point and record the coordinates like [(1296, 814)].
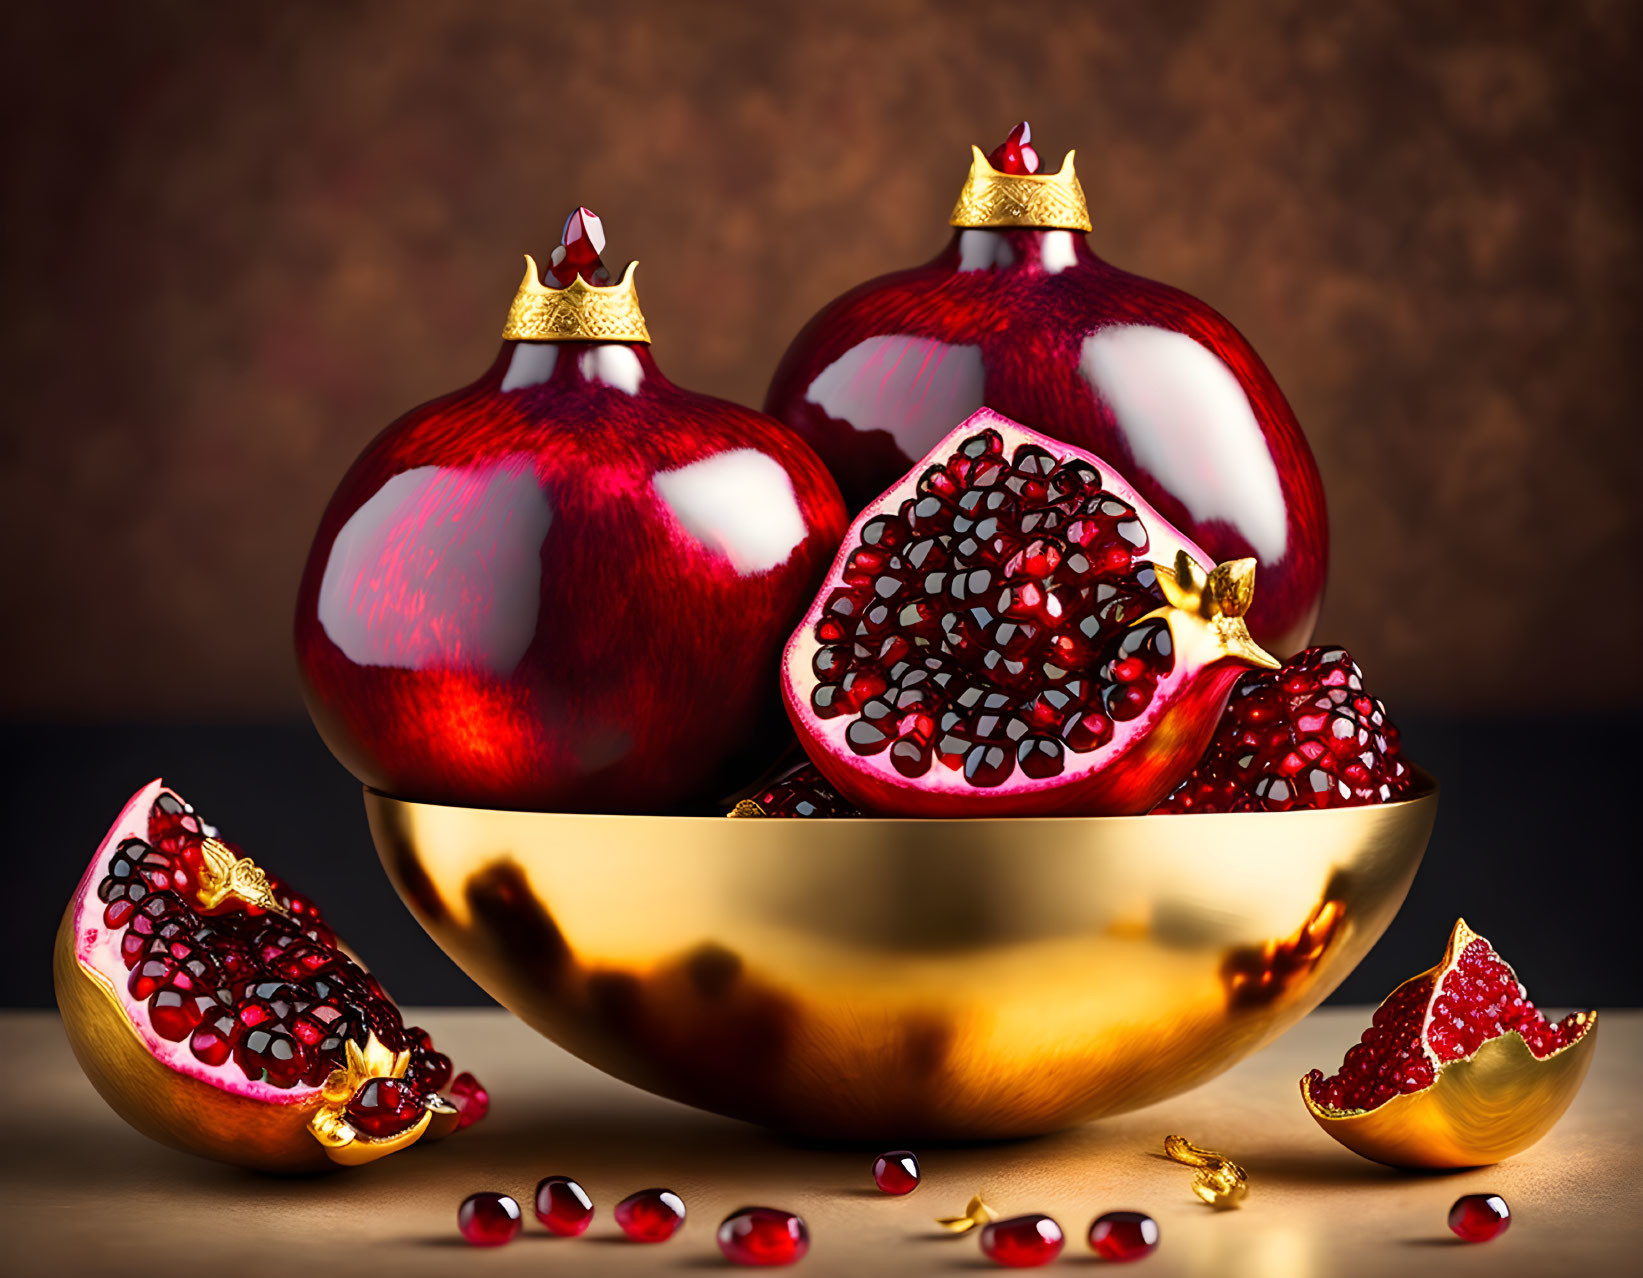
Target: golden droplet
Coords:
[(976, 1213), (1218, 1181)]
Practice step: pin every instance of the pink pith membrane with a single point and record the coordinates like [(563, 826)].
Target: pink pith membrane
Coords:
[(1307, 735), (985, 645), (1436, 1018), (250, 1001)]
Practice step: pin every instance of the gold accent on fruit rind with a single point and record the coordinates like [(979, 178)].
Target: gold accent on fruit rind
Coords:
[(579, 312), (976, 1212), (224, 875), (1218, 601), (1479, 1110), (899, 980), (330, 1126), (1051, 201), (747, 808), (1218, 1181)]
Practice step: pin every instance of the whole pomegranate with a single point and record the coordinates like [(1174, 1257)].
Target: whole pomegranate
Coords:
[(215, 1011), (1304, 736), (565, 586), (1018, 314), (1012, 630)]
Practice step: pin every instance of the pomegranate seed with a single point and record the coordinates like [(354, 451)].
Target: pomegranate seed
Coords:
[(763, 1236), (471, 1099), (563, 1206), (651, 1215), (384, 1107), (580, 244), (488, 1220), (1479, 1217), (1015, 154), (1022, 1241), (1123, 1235), (896, 1172)]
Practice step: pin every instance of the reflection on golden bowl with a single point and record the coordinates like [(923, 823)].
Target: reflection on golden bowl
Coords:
[(900, 979)]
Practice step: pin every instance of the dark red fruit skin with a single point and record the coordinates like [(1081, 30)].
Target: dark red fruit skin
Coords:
[(1028, 325), (606, 659)]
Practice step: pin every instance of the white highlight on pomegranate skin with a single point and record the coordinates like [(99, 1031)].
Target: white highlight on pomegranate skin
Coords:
[(981, 250), (613, 365), (1190, 425), (440, 569), (739, 504), (1057, 250), (915, 388), (532, 364)]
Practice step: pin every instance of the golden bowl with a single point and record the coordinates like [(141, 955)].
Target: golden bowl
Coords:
[(907, 979)]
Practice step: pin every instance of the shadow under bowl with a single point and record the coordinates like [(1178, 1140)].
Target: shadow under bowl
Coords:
[(903, 979)]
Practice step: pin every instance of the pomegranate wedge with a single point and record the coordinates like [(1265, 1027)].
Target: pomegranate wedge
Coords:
[(1458, 1068), (215, 1011), (1012, 630)]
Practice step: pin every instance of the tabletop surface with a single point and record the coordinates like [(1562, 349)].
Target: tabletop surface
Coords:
[(85, 1194)]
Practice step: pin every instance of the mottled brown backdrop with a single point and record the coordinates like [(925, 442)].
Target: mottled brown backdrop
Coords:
[(239, 239)]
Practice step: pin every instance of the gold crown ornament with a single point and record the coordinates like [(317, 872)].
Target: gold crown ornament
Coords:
[(581, 310), (1048, 201)]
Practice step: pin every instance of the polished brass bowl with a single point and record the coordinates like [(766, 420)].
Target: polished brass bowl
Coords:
[(904, 979)]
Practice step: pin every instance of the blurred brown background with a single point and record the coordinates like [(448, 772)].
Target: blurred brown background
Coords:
[(240, 239)]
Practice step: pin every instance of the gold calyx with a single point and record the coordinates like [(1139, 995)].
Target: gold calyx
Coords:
[(224, 875), (579, 312), (1219, 599), (747, 808), (329, 1124), (976, 1212), (1050, 201), (1218, 1180)]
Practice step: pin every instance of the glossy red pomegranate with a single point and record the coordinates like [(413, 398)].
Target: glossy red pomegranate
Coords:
[(1303, 736), (1009, 630), (565, 586), (216, 1012), (1018, 314)]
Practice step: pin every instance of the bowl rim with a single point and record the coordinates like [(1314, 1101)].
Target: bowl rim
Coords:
[(1426, 790)]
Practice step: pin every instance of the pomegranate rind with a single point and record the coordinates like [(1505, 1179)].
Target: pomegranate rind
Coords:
[(164, 1093), (1479, 1109), (1158, 749)]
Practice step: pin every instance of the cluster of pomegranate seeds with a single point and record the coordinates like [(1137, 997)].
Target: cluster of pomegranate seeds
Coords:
[(988, 624), (563, 1206), (1121, 1236), (651, 1215), (802, 791), (896, 1172), (1303, 736), (488, 1219), (1479, 999), (270, 991), (764, 1236), (1015, 154), (1479, 1217), (1022, 1242), (580, 245)]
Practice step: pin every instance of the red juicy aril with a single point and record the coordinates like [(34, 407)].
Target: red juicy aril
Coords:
[(215, 1011), (1019, 315), (566, 585), (1303, 736), (1012, 630), (1458, 1068)]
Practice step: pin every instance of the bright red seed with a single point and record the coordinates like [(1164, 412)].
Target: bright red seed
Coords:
[(651, 1215), (1124, 1235), (1479, 1217), (763, 1236), (563, 1206), (488, 1220), (1015, 154), (580, 244), (1022, 1241), (471, 1099), (896, 1172), (384, 1107)]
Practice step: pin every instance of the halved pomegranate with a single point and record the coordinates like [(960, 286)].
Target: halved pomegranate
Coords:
[(1457, 1069), (1011, 630), (215, 1011)]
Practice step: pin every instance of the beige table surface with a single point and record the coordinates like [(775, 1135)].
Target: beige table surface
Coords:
[(84, 1194)]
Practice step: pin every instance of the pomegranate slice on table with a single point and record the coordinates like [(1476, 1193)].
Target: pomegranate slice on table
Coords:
[(1013, 630), (1458, 1068), (216, 1012)]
